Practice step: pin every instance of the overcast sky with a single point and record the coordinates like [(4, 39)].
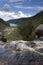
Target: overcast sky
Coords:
[(13, 9)]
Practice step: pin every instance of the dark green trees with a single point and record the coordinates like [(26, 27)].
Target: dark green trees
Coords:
[(27, 30)]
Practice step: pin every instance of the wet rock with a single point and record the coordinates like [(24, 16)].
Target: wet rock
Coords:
[(13, 56), (40, 50), (21, 58)]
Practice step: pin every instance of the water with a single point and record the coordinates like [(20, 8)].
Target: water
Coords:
[(13, 24)]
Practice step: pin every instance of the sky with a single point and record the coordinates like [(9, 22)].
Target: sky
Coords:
[(14, 9)]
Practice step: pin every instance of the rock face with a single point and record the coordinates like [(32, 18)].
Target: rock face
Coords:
[(21, 53), (39, 30)]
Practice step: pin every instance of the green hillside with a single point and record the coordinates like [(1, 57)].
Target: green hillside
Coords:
[(27, 28), (3, 24)]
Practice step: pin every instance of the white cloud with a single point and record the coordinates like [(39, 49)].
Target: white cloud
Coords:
[(40, 8), (36, 8), (20, 14), (11, 15), (6, 7), (29, 7), (14, 0), (19, 0)]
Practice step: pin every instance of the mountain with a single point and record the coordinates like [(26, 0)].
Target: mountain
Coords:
[(36, 18), (3, 24)]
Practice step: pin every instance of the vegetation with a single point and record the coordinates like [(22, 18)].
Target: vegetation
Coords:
[(27, 29), (3, 24), (13, 34), (10, 36)]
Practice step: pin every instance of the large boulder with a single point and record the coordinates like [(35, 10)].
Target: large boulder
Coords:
[(4, 39), (39, 30), (21, 58), (27, 55)]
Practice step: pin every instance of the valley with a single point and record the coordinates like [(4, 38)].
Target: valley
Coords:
[(16, 47)]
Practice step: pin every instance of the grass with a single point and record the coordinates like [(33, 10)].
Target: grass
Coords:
[(14, 35)]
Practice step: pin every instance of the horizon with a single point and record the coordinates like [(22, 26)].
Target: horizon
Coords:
[(15, 9), (22, 17)]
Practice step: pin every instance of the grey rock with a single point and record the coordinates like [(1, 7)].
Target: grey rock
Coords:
[(21, 57)]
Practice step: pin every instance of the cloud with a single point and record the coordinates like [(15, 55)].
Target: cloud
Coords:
[(29, 7), (12, 15), (19, 0), (6, 7), (40, 8), (36, 8), (14, 0)]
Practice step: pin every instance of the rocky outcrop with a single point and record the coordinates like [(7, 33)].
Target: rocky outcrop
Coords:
[(19, 53)]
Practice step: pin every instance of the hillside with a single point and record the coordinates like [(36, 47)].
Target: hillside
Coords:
[(3, 24), (36, 18), (27, 29)]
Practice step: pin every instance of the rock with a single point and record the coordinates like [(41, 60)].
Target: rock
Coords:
[(21, 58), (4, 39), (21, 54), (26, 58), (31, 44), (40, 50)]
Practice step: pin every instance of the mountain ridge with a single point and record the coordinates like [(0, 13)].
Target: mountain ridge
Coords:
[(37, 17)]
